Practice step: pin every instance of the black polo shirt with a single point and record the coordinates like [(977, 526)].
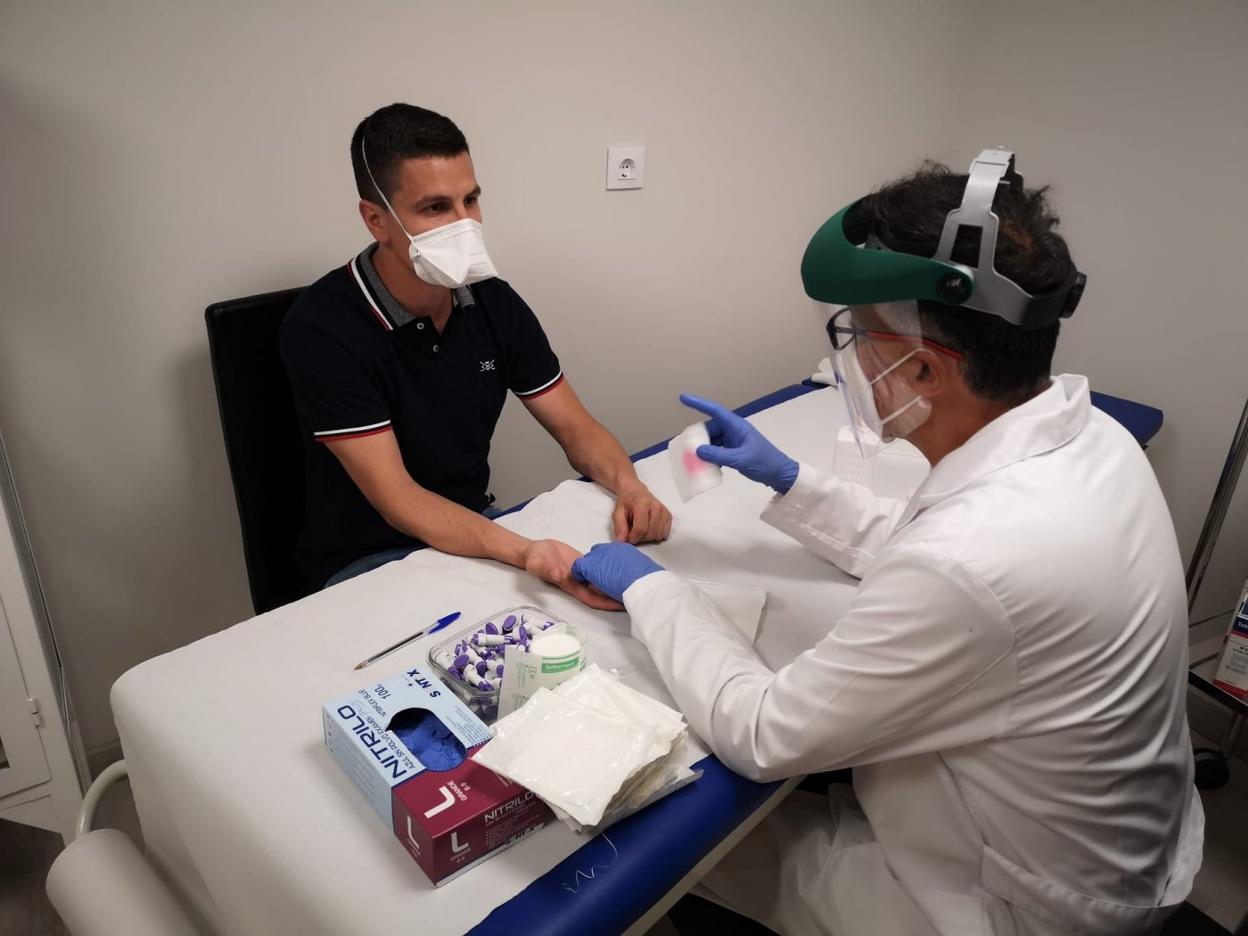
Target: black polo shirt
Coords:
[(359, 364)]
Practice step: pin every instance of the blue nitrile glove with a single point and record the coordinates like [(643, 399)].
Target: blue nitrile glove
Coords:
[(612, 567), (739, 445)]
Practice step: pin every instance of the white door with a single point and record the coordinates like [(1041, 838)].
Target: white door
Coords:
[(22, 761), (41, 762)]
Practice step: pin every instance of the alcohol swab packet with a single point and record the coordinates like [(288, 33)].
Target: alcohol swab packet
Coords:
[(692, 475)]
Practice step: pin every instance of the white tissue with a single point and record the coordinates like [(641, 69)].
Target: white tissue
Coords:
[(692, 475)]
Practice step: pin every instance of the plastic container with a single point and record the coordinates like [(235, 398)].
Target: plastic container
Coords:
[(482, 702)]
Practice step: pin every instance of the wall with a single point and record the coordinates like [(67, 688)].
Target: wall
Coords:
[(161, 156)]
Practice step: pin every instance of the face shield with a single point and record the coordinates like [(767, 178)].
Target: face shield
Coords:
[(872, 346), (868, 296)]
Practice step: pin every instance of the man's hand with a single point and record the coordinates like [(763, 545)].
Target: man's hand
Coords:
[(640, 517), (551, 561)]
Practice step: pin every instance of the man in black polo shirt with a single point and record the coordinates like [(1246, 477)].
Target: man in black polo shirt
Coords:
[(401, 362)]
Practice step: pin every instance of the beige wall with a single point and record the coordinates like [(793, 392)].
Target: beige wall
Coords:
[(160, 156)]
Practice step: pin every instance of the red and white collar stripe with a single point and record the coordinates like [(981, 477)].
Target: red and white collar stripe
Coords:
[(373, 304)]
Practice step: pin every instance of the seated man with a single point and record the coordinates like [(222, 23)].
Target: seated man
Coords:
[(1009, 682), (401, 361)]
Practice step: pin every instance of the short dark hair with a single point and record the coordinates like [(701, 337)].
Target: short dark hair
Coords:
[(395, 133), (1002, 362)]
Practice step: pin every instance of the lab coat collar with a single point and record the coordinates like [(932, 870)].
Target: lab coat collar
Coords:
[(1044, 423)]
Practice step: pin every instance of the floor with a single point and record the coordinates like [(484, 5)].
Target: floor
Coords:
[(1221, 890), (27, 853)]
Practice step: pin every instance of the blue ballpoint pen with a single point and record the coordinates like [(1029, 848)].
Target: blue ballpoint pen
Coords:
[(438, 625)]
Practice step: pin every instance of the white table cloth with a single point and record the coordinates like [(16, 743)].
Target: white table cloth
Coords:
[(251, 821)]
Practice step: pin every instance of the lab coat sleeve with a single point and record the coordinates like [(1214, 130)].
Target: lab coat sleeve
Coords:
[(923, 661), (837, 520)]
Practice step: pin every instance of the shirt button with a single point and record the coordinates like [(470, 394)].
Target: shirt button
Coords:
[(420, 325), (435, 349)]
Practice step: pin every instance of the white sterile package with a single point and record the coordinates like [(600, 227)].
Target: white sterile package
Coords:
[(666, 770), (593, 749), (569, 754)]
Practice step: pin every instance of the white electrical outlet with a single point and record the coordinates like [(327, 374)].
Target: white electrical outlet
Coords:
[(626, 167)]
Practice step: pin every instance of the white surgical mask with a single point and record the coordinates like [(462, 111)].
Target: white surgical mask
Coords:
[(859, 393), (453, 255)]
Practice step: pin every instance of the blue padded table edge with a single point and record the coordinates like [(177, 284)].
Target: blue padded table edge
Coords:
[(648, 854), (657, 847), (1140, 420)]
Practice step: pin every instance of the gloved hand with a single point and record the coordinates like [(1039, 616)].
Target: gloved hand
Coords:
[(739, 445), (613, 567)]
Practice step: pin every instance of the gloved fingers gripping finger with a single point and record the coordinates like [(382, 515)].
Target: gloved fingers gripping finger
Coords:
[(591, 597), (579, 570), (715, 431)]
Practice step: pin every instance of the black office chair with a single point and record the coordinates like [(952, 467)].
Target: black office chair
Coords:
[(262, 442)]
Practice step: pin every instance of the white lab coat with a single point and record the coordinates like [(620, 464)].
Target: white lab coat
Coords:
[(1008, 683)]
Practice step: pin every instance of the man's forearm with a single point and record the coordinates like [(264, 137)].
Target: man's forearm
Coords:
[(596, 453), (450, 528)]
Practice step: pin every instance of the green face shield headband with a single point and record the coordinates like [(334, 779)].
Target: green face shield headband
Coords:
[(843, 266)]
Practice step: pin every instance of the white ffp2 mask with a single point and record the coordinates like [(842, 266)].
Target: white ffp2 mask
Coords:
[(453, 255)]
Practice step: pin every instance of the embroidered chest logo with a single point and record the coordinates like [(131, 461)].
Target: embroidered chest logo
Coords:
[(487, 366)]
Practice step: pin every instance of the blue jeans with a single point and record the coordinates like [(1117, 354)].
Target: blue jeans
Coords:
[(386, 556)]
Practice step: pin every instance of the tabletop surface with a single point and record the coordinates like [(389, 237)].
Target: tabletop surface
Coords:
[(248, 816), (243, 809)]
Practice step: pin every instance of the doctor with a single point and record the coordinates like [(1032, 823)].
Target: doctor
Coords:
[(1009, 681)]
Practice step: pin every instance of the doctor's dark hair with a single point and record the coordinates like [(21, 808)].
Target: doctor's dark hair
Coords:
[(395, 133), (1002, 362)]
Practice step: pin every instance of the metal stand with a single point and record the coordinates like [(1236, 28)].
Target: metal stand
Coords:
[(1212, 764)]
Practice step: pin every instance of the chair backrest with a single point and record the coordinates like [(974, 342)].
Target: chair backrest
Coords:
[(262, 441)]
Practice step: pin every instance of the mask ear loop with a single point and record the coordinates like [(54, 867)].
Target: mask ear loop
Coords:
[(385, 201), (918, 397), (892, 367)]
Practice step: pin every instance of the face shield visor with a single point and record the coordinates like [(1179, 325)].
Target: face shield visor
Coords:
[(873, 346)]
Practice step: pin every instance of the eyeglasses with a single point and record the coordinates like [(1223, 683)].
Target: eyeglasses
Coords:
[(843, 332)]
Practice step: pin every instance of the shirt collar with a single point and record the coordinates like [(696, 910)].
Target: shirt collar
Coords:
[(1044, 423), (389, 313)]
